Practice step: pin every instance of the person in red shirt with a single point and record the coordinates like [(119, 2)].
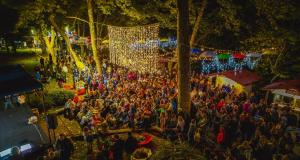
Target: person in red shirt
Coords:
[(220, 136), (76, 98), (220, 104)]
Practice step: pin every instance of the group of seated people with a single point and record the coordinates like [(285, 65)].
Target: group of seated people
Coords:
[(220, 122)]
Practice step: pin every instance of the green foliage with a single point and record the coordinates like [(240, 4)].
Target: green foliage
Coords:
[(275, 33), (53, 98)]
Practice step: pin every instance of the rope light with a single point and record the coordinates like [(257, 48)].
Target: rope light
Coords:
[(138, 58)]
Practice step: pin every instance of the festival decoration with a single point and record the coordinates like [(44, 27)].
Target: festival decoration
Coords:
[(223, 56), (227, 61), (238, 56), (207, 55), (134, 47)]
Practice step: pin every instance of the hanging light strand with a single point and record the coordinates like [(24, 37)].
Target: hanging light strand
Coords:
[(134, 47)]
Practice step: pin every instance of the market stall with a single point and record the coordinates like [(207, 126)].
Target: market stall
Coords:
[(241, 81), (286, 93)]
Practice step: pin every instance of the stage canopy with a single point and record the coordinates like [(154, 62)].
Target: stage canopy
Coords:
[(14, 79)]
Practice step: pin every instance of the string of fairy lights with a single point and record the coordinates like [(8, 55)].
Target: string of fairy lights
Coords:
[(125, 47)]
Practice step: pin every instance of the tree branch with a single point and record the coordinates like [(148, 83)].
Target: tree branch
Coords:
[(83, 20)]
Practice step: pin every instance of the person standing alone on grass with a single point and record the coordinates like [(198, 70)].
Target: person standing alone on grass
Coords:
[(8, 102)]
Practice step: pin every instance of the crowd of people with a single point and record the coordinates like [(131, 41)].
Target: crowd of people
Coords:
[(221, 123)]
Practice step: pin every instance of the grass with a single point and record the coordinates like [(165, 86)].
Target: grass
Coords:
[(28, 58), (23, 51)]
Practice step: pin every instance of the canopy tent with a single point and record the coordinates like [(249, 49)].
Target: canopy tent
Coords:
[(285, 93), (254, 55), (244, 77), (291, 85), (223, 56), (241, 81), (286, 88), (14, 79), (239, 55)]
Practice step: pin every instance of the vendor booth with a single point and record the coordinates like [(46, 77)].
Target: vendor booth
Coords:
[(286, 93), (241, 81)]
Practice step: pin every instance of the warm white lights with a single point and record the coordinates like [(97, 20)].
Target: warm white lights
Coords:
[(134, 47)]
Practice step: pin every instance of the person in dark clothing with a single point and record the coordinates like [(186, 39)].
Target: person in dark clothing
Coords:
[(263, 151), (103, 153), (65, 147), (291, 119), (117, 148), (131, 144), (50, 59), (88, 137), (42, 62)]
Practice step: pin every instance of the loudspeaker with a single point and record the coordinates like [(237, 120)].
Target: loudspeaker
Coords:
[(51, 121)]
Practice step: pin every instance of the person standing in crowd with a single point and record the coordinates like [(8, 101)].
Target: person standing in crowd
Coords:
[(88, 138), (65, 72), (64, 146), (117, 148), (220, 136), (130, 144), (38, 76), (42, 62), (68, 106), (191, 131)]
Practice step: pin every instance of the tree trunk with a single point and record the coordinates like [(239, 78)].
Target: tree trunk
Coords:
[(78, 63), (44, 47), (198, 23), (97, 32), (183, 55), (50, 45), (97, 59)]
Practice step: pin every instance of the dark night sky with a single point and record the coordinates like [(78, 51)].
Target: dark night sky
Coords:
[(8, 19)]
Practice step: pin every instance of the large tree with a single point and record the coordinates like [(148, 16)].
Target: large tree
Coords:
[(49, 16), (38, 25), (183, 55)]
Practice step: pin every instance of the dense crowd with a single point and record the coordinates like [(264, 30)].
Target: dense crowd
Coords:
[(221, 123)]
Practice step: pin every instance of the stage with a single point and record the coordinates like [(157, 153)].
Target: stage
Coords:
[(15, 131)]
